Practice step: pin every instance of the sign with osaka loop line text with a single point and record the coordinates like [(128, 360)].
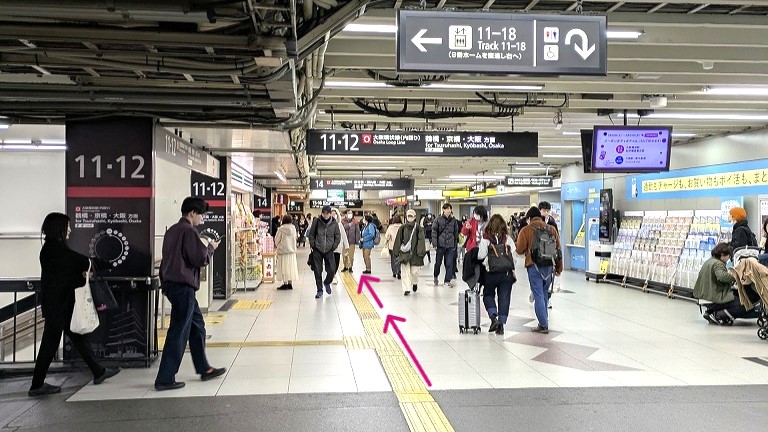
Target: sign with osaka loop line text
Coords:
[(501, 43), (390, 143), (528, 181)]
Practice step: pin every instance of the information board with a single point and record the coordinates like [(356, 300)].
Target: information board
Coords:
[(528, 181), (631, 149), (389, 143), (361, 184), (343, 204), (501, 43)]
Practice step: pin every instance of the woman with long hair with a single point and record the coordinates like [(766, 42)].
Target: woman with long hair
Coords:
[(495, 251), (287, 269), (62, 270), (394, 226)]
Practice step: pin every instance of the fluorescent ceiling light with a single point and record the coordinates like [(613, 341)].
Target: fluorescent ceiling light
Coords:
[(4, 126), (280, 176), (528, 163), (346, 167), (53, 141), (370, 28), (571, 133), (574, 156), (32, 147), (623, 34), (17, 141), (512, 174), (355, 84), (358, 161), (356, 175), (700, 116), (471, 177), (683, 135), (736, 91), (532, 169), (551, 190), (560, 147), (448, 86)]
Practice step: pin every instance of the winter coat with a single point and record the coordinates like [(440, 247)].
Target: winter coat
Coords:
[(427, 229), (61, 272), (391, 234), (324, 237), (415, 256), (285, 239), (714, 282), (525, 242), (472, 233), (445, 232), (742, 235), (344, 244), (352, 230), (369, 233)]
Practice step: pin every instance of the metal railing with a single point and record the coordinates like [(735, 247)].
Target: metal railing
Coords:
[(20, 319)]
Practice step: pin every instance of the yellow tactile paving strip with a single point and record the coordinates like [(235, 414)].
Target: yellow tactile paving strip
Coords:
[(419, 408), (252, 304)]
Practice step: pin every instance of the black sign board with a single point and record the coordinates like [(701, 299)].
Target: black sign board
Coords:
[(388, 143), (479, 187), (362, 184), (528, 181), (264, 204), (110, 192), (179, 151), (605, 232), (296, 207), (214, 191), (501, 43), (342, 204)]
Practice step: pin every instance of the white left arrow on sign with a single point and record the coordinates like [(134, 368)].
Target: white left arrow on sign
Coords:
[(584, 50), (419, 40)]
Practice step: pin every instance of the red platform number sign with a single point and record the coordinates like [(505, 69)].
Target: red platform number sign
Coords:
[(367, 139)]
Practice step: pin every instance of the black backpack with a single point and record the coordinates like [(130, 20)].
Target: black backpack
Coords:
[(544, 250), (500, 258)]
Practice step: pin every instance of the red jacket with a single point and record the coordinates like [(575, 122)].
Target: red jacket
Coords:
[(470, 234)]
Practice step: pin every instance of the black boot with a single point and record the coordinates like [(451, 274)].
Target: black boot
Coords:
[(415, 288), (495, 324), (500, 330)]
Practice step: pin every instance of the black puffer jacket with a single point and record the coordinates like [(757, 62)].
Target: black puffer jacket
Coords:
[(324, 237), (742, 235), (445, 232)]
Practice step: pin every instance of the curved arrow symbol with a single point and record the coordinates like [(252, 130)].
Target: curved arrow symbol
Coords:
[(365, 282), (419, 40), (584, 50)]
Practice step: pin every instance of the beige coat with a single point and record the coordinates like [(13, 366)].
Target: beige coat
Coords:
[(285, 239), (389, 237), (750, 271)]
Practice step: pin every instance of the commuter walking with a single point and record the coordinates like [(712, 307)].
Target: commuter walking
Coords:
[(343, 245), (285, 243), (389, 238), (427, 224), (303, 226), (324, 237), (366, 243), (445, 237), (472, 230), (353, 234), (62, 270), (495, 250), (410, 248), (540, 243), (183, 255), (545, 208)]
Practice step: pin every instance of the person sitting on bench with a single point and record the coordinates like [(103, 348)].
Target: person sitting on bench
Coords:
[(715, 284)]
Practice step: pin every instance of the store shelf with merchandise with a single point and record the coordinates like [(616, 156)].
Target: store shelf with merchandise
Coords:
[(662, 252), (248, 234)]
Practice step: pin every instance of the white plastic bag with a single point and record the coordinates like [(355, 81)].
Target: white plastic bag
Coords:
[(385, 252), (85, 319), (556, 286)]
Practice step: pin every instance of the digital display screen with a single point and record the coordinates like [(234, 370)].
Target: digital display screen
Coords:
[(630, 149), (352, 194), (336, 195)]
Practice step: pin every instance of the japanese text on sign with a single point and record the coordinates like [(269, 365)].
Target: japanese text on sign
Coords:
[(758, 177)]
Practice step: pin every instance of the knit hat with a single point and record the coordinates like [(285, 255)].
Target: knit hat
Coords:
[(738, 214), (533, 212)]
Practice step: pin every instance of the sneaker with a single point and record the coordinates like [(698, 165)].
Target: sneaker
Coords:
[(319, 294), (549, 304), (172, 386), (367, 272), (284, 287), (108, 373), (399, 277), (335, 280), (540, 329), (407, 293), (43, 390), (213, 373), (415, 288), (710, 319), (530, 298), (500, 330), (436, 282), (449, 284), (327, 288), (494, 324)]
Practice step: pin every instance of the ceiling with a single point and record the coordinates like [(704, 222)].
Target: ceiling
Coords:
[(223, 71)]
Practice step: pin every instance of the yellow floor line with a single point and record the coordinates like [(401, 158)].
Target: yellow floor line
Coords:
[(421, 411)]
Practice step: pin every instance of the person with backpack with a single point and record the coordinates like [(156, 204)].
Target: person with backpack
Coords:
[(445, 237), (324, 237), (427, 223), (352, 232), (540, 244), (368, 241), (409, 249), (495, 250), (742, 233)]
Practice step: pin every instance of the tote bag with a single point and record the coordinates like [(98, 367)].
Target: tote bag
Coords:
[(85, 319)]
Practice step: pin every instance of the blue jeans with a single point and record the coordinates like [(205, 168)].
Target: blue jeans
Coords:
[(501, 282), (187, 324), (447, 256), (541, 279)]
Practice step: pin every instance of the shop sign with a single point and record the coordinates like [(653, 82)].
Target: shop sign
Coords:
[(242, 178), (362, 184), (456, 194), (479, 187), (528, 181), (397, 201), (736, 179), (501, 43), (391, 143)]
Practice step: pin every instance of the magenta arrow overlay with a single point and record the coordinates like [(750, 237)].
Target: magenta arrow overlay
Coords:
[(392, 320), (366, 280)]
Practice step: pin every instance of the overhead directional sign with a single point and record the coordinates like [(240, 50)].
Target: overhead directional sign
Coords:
[(501, 43), (528, 181), (389, 143), (344, 204), (362, 184)]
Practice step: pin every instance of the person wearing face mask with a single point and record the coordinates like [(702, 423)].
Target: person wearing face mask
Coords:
[(410, 248), (352, 231), (495, 250), (473, 228), (445, 237), (389, 237), (324, 237), (344, 245), (366, 243)]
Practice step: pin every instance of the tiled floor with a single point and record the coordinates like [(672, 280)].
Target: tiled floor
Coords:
[(603, 335)]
